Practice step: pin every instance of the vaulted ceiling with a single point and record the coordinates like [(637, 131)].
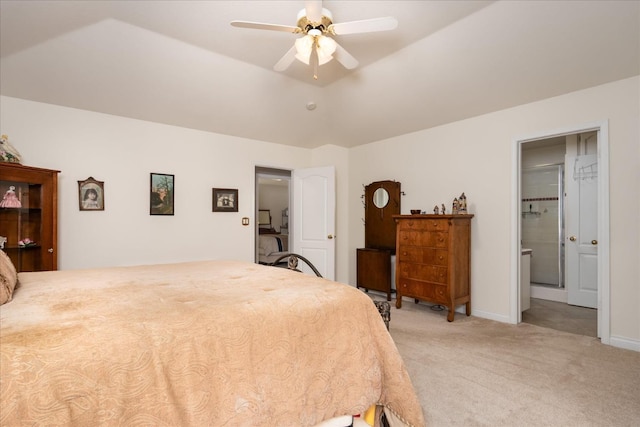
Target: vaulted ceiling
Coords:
[(182, 63)]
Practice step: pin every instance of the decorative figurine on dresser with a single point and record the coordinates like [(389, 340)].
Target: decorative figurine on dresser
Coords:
[(433, 260), (381, 204)]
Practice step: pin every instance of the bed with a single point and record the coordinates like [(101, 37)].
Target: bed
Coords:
[(220, 343), (271, 247)]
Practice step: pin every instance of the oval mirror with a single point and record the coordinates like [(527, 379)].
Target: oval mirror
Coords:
[(380, 198)]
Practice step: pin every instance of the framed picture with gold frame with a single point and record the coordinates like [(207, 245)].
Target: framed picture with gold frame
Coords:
[(91, 195)]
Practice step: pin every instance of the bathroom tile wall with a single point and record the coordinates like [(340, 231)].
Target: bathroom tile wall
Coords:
[(541, 222)]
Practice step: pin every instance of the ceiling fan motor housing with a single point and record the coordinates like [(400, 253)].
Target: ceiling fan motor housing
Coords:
[(305, 24)]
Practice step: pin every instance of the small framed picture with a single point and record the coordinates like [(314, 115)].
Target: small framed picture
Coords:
[(225, 200), (161, 194), (91, 195)]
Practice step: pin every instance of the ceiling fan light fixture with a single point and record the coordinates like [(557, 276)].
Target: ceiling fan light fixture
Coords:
[(304, 45), (316, 25), (326, 47)]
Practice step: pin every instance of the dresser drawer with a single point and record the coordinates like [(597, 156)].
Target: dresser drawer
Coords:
[(431, 273), (422, 290), (424, 225), (424, 255), (420, 238)]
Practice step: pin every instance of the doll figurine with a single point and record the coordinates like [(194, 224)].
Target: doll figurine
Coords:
[(10, 200), (444, 209), (436, 210), (454, 209), (462, 208)]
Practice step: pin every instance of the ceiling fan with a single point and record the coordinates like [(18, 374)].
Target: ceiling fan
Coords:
[(316, 45)]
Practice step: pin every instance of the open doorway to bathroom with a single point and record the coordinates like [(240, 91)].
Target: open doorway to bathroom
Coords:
[(560, 223)]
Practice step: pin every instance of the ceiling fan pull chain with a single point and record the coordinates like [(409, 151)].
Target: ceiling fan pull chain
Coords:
[(314, 59)]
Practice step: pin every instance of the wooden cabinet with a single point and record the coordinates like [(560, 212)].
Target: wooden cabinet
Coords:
[(382, 202), (33, 216), (433, 260), (374, 270)]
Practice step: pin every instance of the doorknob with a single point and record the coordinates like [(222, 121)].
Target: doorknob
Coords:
[(329, 237), (572, 238), (594, 242)]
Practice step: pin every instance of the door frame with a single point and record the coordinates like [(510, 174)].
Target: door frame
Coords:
[(603, 263)]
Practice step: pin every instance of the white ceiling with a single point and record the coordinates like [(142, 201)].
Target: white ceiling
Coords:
[(181, 63)]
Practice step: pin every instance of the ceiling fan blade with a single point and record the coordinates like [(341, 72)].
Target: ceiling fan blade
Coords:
[(345, 58), (262, 26), (313, 9), (286, 60), (364, 26)]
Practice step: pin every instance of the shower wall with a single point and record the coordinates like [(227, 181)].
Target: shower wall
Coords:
[(541, 222), (542, 225)]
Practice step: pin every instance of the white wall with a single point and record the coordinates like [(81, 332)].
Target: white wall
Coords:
[(474, 156), (434, 166), (123, 152)]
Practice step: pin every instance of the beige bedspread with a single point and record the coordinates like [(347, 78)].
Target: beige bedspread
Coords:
[(217, 343)]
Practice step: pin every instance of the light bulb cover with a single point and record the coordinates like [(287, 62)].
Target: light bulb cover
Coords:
[(304, 45), (325, 49)]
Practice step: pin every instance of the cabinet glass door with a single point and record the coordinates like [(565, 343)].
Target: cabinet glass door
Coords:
[(21, 224)]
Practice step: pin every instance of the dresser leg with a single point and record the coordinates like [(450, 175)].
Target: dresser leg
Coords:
[(398, 301), (468, 308), (452, 313)]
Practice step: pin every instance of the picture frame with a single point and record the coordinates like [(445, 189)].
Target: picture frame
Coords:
[(225, 200), (91, 195), (161, 194)]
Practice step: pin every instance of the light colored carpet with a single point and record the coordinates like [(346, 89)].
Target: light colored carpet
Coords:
[(478, 372)]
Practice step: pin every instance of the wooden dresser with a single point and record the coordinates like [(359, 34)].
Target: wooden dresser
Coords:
[(433, 260)]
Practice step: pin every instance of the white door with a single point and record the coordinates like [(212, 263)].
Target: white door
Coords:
[(581, 245), (313, 220)]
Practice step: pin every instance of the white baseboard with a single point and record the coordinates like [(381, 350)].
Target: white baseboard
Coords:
[(626, 343), (488, 315), (550, 294)]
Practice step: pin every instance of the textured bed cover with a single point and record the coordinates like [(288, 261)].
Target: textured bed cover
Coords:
[(204, 343)]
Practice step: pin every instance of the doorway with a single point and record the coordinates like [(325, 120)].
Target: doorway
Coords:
[(272, 213), (543, 158), (301, 210)]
